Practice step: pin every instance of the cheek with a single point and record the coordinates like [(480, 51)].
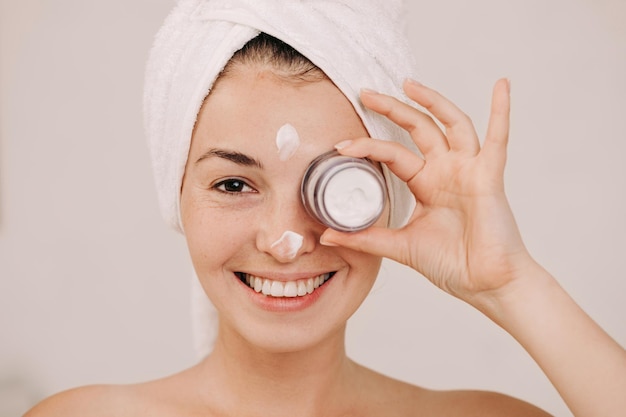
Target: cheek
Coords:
[(364, 268), (214, 235)]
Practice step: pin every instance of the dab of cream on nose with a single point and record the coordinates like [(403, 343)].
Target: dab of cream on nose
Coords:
[(287, 141), (288, 245)]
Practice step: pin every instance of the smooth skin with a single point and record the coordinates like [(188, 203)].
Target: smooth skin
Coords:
[(274, 364)]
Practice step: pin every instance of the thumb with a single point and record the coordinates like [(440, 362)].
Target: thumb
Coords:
[(378, 241)]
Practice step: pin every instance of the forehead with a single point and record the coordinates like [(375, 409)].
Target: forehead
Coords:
[(255, 102)]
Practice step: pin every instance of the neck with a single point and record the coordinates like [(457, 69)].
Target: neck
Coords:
[(255, 381)]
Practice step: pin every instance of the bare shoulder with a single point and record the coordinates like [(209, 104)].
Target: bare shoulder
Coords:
[(394, 397), (483, 403), (89, 401), (167, 396)]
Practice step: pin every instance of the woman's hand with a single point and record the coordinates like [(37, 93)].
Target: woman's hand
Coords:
[(462, 234)]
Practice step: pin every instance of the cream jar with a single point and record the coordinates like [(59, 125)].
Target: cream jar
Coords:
[(343, 192)]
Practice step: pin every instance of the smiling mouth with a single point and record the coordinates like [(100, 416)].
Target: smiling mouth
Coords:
[(272, 288)]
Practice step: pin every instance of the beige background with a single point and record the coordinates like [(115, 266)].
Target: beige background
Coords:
[(94, 288)]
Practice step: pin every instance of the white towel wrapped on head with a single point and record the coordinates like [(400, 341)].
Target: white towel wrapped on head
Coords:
[(356, 43)]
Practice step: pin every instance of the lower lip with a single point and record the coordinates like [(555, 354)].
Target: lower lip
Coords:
[(285, 304)]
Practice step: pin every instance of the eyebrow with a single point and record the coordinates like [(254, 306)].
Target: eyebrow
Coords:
[(233, 156)]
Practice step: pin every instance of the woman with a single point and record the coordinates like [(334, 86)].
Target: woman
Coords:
[(277, 355)]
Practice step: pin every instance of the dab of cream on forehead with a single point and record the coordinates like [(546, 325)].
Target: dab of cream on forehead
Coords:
[(288, 245), (287, 141)]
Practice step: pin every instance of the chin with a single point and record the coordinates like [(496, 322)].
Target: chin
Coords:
[(291, 337)]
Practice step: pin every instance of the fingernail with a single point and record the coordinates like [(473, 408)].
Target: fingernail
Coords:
[(324, 242), (368, 91), (343, 144), (508, 85), (413, 82)]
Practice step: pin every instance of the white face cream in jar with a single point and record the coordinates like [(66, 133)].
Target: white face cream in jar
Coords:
[(343, 192)]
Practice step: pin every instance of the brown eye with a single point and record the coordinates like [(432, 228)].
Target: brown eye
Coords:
[(233, 186)]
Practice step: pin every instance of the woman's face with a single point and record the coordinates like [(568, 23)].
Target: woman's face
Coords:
[(243, 216)]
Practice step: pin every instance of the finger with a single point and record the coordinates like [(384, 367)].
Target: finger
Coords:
[(459, 127), (423, 130), (377, 241), (497, 136), (401, 161)]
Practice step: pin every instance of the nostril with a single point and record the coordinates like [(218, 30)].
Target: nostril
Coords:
[(288, 245)]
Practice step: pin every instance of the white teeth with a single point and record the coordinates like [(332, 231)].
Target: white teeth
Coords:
[(291, 289), (297, 288), (258, 284), (278, 289), (267, 287), (302, 288)]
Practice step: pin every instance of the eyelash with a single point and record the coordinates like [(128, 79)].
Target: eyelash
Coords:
[(242, 185)]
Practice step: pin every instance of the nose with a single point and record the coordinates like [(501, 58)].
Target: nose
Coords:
[(286, 231)]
